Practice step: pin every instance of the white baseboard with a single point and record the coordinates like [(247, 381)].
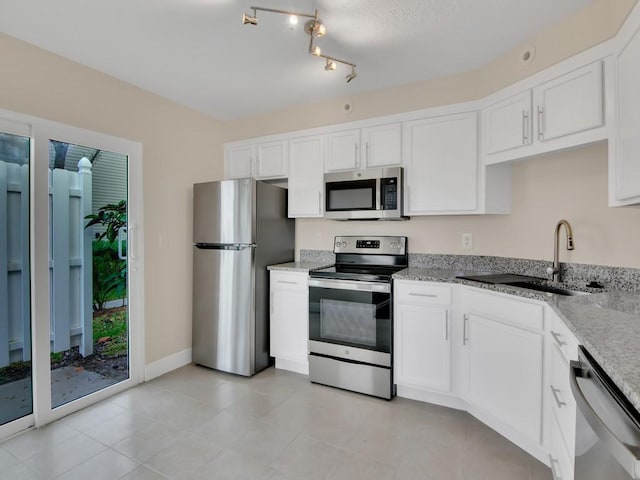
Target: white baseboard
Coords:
[(167, 364)]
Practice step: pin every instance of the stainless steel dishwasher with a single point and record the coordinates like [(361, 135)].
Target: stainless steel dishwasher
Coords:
[(607, 425)]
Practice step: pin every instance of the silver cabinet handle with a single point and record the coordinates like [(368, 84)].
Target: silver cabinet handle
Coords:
[(356, 155), (552, 463), (288, 282), (525, 124), (446, 325), (465, 319), (540, 122), (430, 295), (556, 337), (367, 152), (555, 392)]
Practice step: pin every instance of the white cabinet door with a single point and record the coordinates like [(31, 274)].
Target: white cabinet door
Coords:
[(272, 160), (627, 153), (239, 162), (289, 325), (343, 151), (569, 104), (306, 167), (422, 350), (383, 145), (504, 373), (441, 162), (507, 124)]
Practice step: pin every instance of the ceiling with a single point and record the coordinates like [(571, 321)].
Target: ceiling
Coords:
[(198, 53)]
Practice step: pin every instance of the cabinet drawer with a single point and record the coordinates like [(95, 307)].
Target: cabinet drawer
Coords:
[(421, 293), (519, 312), (289, 280), (559, 460), (562, 337), (562, 401)]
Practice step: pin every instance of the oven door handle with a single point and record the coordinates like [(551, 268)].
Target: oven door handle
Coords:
[(351, 285)]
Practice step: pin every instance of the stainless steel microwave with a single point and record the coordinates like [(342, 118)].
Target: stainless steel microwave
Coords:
[(370, 194)]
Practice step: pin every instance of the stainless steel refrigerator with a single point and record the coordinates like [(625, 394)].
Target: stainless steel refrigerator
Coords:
[(239, 227)]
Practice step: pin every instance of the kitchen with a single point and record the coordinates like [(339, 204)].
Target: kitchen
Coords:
[(571, 184)]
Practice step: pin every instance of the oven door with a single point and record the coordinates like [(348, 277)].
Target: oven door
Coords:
[(351, 320)]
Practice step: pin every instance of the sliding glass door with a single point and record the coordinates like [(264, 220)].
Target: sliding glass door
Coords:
[(71, 270), (16, 388)]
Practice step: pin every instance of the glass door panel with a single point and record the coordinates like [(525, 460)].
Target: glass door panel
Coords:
[(88, 204), (16, 399)]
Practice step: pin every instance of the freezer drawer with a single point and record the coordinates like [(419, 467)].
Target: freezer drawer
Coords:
[(224, 309)]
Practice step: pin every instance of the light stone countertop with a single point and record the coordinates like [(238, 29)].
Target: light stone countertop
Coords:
[(606, 323), (298, 266)]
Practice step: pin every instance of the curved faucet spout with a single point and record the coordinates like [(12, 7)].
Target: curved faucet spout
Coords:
[(555, 270)]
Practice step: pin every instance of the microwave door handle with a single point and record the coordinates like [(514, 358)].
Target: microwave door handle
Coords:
[(378, 195)]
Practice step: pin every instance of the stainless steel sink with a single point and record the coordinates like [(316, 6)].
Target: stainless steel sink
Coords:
[(546, 288)]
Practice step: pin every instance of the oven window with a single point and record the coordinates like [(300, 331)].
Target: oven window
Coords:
[(352, 195), (351, 318), (348, 322)]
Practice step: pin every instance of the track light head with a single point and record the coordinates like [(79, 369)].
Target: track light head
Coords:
[(315, 28), (330, 65), (249, 20), (315, 50), (352, 75)]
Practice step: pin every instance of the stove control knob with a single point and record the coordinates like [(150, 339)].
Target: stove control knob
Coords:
[(344, 244), (393, 245)]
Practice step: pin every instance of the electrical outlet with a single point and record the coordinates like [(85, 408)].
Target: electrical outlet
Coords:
[(467, 241)]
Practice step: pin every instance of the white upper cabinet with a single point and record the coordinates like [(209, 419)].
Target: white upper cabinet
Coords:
[(263, 161), (343, 151), (508, 123), (624, 152), (271, 160), (441, 161), (238, 162), (563, 112), (306, 168), (382, 145), (569, 104)]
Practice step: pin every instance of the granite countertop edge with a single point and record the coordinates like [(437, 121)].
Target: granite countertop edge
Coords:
[(593, 320), (298, 266)]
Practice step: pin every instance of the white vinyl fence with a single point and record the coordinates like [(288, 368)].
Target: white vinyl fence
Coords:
[(70, 261)]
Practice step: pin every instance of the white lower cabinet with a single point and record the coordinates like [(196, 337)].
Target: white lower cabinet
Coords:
[(422, 337), (503, 366), (289, 315)]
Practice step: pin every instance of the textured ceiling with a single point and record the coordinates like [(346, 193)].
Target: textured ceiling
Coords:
[(198, 53)]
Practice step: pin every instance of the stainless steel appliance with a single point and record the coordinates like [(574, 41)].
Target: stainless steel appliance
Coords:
[(371, 194), (351, 315), (239, 227), (607, 425)]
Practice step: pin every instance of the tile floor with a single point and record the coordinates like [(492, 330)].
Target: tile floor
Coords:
[(195, 423)]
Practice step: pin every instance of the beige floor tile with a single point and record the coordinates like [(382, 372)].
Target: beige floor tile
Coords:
[(119, 427), (7, 460), (143, 473), (34, 441), (306, 459), (432, 461), (22, 472), (107, 465), (232, 465), (226, 427), (91, 416), (62, 457), (147, 441), (352, 466), (184, 457), (381, 444), (263, 442)]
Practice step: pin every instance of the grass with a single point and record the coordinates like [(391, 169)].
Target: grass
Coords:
[(110, 328)]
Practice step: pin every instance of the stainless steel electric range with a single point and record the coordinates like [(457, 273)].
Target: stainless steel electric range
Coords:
[(351, 315)]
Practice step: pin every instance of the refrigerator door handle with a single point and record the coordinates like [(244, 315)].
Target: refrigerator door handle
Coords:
[(212, 246)]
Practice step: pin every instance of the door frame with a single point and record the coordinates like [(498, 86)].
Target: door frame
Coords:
[(41, 131)]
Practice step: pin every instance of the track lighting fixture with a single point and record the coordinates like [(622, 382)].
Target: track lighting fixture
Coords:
[(312, 27)]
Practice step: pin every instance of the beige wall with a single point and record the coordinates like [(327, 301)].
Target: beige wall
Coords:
[(180, 147)]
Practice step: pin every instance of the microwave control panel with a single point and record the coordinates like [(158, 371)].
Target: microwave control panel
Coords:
[(389, 193)]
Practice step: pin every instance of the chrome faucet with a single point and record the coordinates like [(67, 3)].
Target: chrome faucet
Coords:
[(554, 271)]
